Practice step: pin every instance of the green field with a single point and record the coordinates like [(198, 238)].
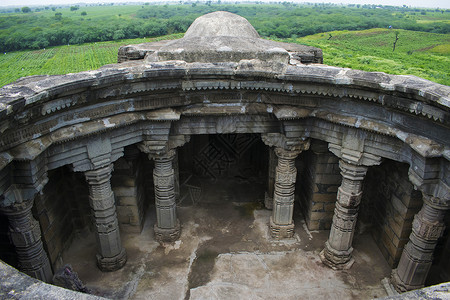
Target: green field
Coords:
[(63, 59), (422, 54)]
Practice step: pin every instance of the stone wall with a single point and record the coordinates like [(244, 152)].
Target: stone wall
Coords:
[(215, 156), (62, 211), (390, 203), (129, 191), (318, 184)]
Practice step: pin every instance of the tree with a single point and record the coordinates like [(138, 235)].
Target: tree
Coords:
[(83, 13), (73, 8), (26, 9), (395, 42)]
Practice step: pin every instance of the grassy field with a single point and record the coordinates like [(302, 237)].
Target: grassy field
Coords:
[(63, 59), (422, 54)]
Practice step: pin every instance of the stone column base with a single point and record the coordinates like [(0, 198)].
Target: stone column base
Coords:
[(337, 260), (400, 286), (42, 272), (281, 231), (167, 235), (268, 201), (109, 264)]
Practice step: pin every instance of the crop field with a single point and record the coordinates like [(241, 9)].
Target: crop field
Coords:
[(63, 59), (422, 54)]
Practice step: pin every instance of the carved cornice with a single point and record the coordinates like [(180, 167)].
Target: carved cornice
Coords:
[(38, 112)]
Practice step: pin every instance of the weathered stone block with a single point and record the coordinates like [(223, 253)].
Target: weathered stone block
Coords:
[(400, 229), (324, 198), (125, 191), (328, 178), (321, 215), (126, 201), (317, 206), (122, 214), (333, 188), (392, 249), (122, 181), (324, 168), (398, 205), (329, 207)]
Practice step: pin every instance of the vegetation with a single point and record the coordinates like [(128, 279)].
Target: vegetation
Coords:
[(63, 59), (45, 27), (420, 38), (422, 54)]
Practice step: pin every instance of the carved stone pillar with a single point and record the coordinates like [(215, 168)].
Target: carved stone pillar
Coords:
[(281, 223), (268, 199), (25, 234), (167, 227), (417, 256), (338, 249), (176, 172), (111, 255)]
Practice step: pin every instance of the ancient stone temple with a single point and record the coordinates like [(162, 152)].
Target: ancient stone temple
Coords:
[(91, 151)]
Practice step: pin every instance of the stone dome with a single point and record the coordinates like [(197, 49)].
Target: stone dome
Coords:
[(221, 37), (221, 23)]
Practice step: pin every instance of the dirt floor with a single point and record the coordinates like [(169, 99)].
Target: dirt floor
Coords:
[(225, 252)]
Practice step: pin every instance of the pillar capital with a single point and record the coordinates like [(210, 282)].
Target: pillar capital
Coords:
[(436, 202), (286, 153), (17, 208), (167, 155), (352, 171), (162, 148), (100, 175), (279, 140)]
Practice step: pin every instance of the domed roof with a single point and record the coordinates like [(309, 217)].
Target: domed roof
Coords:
[(221, 37), (221, 23)]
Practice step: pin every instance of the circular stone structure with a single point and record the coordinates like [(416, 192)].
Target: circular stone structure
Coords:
[(86, 124), (221, 23)]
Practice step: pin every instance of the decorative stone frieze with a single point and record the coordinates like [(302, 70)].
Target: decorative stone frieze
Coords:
[(167, 227), (268, 197), (111, 255), (415, 262), (25, 234), (281, 223), (338, 249)]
